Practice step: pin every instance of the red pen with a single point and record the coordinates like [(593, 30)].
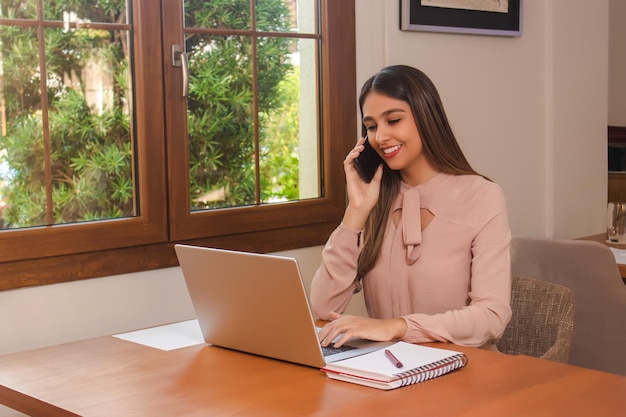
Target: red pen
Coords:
[(393, 359)]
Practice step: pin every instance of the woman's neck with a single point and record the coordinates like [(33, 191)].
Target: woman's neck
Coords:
[(418, 174)]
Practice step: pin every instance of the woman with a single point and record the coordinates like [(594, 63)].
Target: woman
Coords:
[(427, 239)]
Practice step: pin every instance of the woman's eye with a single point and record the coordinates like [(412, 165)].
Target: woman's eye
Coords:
[(368, 128), (394, 121)]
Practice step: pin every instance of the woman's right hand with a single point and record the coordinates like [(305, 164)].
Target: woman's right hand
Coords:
[(362, 196)]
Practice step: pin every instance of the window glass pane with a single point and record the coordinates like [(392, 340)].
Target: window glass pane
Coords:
[(226, 90), (217, 14), (288, 127), (220, 122), (93, 11), (286, 15), (309, 120), (21, 147), (66, 155), (18, 9), (276, 15), (89, 124)]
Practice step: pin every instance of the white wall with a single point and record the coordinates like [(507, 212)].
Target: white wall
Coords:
[(50, 314), (579, 71), (530, 112), (617, 63)]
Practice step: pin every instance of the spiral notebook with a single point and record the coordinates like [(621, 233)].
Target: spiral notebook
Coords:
[(405, 364)]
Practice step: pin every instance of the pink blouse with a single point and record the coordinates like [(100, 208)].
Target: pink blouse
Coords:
[(451, 282)]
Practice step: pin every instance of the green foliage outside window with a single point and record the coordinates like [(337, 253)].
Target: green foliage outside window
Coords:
[(90, 149), (91, 145), (220, 106)]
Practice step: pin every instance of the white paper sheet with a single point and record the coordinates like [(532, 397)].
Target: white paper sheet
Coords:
[(167, 337), (620, 255)]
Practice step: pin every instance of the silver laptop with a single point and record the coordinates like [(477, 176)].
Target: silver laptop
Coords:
[(257, 304)]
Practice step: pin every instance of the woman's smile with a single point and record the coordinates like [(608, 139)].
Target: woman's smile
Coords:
[(391, 151)]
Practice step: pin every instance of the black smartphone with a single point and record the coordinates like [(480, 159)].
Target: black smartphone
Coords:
[(367, 162)]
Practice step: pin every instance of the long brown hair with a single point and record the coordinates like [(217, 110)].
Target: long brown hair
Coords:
[(439, 145)]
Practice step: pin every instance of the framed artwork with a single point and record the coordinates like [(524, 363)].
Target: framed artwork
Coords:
[(483, 17)]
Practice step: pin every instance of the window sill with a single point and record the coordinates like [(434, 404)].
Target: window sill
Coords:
[(57, 269)]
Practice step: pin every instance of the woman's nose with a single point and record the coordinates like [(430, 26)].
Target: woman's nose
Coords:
[(381, 136)]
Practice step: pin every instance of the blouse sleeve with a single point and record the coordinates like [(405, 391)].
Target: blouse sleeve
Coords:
[(335, 281), (484, 319)]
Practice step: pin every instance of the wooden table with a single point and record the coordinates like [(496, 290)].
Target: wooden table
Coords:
[(111, 377)]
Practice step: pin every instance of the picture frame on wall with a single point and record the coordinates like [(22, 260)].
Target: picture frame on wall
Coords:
[(480, 17)]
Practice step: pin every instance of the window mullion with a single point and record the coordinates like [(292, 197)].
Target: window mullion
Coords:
[(255, 104), (47, 154)]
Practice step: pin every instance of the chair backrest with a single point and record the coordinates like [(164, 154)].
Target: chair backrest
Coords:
[(542, 321), (589, 269)]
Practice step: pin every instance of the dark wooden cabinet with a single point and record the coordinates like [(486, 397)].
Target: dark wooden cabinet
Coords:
[(617, 187), (617, 176)]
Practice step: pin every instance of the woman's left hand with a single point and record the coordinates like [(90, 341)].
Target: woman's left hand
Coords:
[(348, 326)]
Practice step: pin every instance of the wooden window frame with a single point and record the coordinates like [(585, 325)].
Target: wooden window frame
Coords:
[(62, 253)]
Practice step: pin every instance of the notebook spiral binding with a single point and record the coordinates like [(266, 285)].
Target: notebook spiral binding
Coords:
[(433, 370)]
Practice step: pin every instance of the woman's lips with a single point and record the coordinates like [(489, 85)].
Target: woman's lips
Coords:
[(391, 151)]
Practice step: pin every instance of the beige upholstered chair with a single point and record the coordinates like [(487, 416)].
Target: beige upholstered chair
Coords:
[(590, 271), (542, 321)]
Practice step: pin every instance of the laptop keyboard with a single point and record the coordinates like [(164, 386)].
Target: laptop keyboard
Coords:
[(331, 349)]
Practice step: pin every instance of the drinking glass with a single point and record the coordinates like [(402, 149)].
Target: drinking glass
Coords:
[(616, 214)]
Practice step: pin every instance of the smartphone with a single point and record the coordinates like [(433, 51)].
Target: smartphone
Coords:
[(367, 162)]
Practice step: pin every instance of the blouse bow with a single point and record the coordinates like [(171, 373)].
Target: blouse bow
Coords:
[(412, 224)]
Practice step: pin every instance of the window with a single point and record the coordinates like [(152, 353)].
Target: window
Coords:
[(164, 198)]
